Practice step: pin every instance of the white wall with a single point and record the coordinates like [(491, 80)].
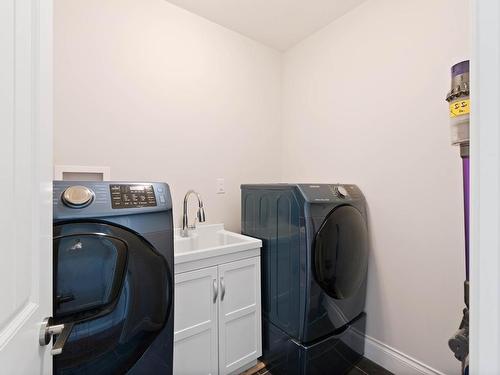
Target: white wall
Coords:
[(158, 93), (364, 103)]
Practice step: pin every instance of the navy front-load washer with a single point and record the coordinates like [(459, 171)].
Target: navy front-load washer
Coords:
[(314, 264), (113, 277)]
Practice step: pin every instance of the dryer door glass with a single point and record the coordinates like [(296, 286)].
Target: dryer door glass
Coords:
[(341, 252)]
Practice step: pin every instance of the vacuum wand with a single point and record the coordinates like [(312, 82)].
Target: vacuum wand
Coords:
[(466, 177), (459, 104)]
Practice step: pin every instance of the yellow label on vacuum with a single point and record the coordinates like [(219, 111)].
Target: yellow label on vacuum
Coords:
[(459, 108)]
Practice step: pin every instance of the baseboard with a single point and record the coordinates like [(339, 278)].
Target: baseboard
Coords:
[(394, 360)]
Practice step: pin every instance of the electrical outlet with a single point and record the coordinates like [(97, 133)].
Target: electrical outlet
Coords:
[(220, 186)]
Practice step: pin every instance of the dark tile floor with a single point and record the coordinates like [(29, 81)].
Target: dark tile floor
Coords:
[(364, 367), (367, 367)]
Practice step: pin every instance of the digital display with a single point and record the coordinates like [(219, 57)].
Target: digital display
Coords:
[(132, 196)]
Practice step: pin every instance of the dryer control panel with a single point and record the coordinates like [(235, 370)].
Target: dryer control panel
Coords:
[(132, 196), (324, 193)]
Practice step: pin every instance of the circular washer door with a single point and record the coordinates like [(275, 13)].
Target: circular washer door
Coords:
[(117, 289), (341, 252)]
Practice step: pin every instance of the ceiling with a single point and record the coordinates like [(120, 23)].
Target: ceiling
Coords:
[(277, 23)]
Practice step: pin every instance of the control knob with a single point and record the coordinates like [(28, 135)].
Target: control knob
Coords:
[(341, 191), (78, 196)]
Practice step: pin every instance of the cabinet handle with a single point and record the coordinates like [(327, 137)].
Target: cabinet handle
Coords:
[(223, 289), (216, 290)]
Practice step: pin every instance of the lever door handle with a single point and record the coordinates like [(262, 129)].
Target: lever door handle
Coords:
[(47, 330)]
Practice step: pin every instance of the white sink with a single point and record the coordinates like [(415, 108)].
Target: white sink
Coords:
[(208, 241)]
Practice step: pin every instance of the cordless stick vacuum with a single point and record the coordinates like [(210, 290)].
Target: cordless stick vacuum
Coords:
[(458, 99)]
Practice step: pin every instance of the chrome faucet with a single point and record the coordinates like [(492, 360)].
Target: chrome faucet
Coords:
[(200, 216)]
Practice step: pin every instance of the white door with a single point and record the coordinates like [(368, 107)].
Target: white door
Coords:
[(240, 334), (485, 189), (25, 184), (195, 322)]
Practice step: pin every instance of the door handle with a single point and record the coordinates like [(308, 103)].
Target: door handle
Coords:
[(47, 330), (222, 288), (216, 290)]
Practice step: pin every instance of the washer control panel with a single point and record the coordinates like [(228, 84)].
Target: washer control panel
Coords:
[(132, 196)]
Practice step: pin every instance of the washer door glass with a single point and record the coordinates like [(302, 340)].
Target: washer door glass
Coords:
[(117, 289), (341, 252), (89, 272)]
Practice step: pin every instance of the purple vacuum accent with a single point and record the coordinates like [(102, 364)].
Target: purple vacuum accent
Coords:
[(460, 68), (465, 166)]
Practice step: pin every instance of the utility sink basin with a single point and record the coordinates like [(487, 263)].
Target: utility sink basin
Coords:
[(209, 241)]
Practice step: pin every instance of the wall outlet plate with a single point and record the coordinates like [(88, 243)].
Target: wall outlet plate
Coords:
[(220, 188)]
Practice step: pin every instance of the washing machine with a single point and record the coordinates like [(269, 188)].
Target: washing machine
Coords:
[(314, 265), (113, 277)]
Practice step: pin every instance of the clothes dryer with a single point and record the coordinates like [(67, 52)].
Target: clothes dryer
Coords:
[(314, 266)]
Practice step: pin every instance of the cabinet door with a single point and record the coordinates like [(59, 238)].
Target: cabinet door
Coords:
[(195, 323), (239, 314)]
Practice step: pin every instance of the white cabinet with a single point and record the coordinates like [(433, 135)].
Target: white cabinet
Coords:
[(195, 323), (239, 314), (217, 318)]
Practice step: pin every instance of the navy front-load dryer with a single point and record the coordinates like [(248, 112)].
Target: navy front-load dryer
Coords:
[(314, 267), (113, 269)]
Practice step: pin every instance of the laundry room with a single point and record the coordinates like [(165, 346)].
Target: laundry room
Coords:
[(211, 95), (243, 187)]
